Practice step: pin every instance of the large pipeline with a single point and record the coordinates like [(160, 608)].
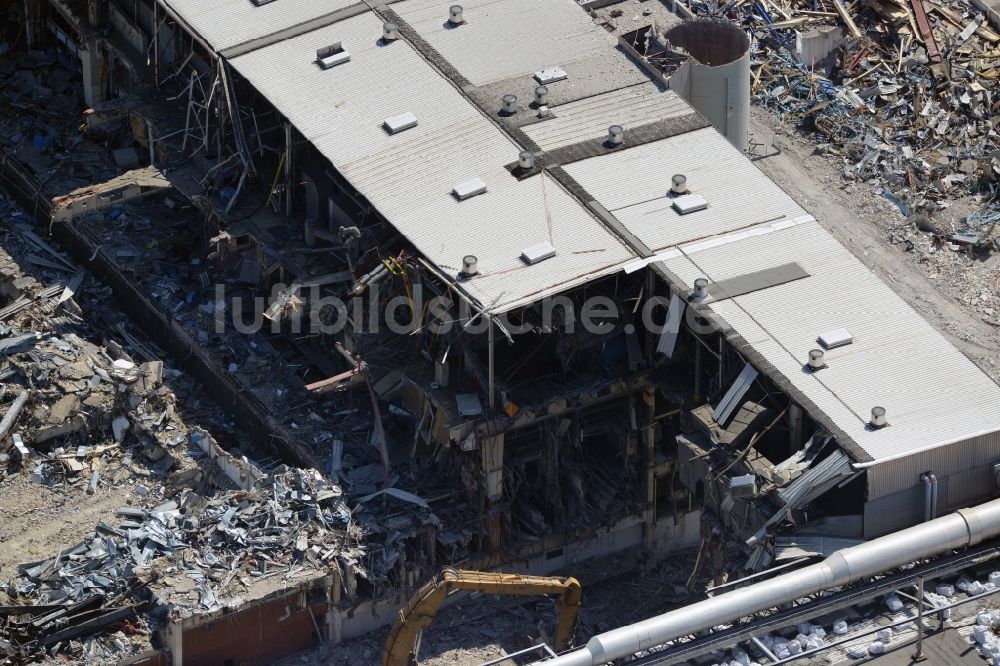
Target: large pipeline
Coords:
[(964, 528)]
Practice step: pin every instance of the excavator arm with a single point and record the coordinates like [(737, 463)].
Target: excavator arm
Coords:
[(404, 639)]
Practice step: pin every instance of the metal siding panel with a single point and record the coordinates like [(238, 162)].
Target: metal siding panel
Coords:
[(933, 394), (735, 393), (226, 23), (894, 512), (495, 44), (965, 456), (589, 118), (409, 176)]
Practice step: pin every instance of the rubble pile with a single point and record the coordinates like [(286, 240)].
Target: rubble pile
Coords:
[(902, 90)]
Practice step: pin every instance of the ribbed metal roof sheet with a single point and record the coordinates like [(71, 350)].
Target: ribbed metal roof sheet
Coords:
[(227, 23), (633, 185), (932, 393), (409, 176), (502, 39), (589, 118)]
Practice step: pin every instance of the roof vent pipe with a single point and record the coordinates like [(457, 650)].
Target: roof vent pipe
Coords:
[(816, 359), (470, 265), (700, 288), (679, 184), (455, 15), (541, 95), (616, 135), (509, 104), (526, 160), (390, 31), (878, 417)]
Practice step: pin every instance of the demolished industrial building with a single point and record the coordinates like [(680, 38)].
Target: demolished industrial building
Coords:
[(491, 284)]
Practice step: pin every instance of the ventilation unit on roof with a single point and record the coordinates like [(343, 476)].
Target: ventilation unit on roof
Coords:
[(679, 184), (878, 418), (469, 188), (616, 135), (835, 338), (526, 160), (550, 75), (470, 265), (390, 31), (508, 104), (538, 252), (403, 121), (544, 112), (541, 96), (331, 56), (258, 3), (700, 289), (689, 203), (816, 361), (455, 15)]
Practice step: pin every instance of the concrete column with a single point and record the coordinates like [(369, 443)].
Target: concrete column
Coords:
[(90, 61), (492, 452)]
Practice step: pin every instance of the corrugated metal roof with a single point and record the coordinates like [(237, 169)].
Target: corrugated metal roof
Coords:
[(502, 39), (589, 118), (633, 183), (933, 394), (226, 23), (409, 176)]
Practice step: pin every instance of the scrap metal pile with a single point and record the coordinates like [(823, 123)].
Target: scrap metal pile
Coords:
[(903, 90)]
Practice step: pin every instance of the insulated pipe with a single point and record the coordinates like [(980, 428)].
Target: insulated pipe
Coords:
[(962, 529), (928, 491), (934, 489)]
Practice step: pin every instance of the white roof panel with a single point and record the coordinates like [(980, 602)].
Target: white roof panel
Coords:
[(409, 176), (501, 39), (227, 23), (590, 117), (633, 185), (932, 393)]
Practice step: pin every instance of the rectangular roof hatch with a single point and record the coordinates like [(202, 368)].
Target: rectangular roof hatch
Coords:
[(835, 338), (538, 252), (403, 121), (689, 203), (332, 55), (550, 75), (469, 188)]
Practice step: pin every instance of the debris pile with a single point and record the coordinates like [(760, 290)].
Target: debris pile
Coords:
[(903, 90)]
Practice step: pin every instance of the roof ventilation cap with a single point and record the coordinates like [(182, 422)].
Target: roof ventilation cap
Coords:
[(332, 55), (390, 31), (470, 265), (541, 95), (679, 184), (689, 203), (550, 75), (526, 160), (616, 135), (509, 104), (539, 252), (455, 15), (403, 121), (816, 359), (469, 188), (878, 418), (700, 289)]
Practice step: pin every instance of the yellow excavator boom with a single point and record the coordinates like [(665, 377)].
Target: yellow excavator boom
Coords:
[(404, 639)]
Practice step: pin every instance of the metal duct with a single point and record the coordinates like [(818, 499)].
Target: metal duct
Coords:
[(964, 528)]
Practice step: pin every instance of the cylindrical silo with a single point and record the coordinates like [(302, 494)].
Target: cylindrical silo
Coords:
[(715, 80)]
